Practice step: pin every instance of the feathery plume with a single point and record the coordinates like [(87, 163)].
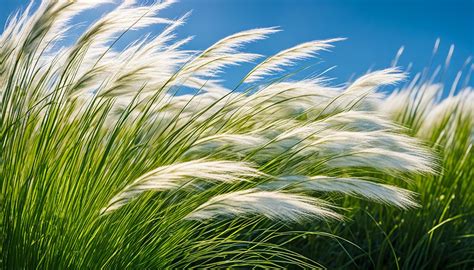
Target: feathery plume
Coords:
[(271, 204), (181, 174), (224, 53), (288, 57), (377, 78), (351, 186)]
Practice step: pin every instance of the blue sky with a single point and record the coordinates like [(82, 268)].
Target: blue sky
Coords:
[(375, 30)]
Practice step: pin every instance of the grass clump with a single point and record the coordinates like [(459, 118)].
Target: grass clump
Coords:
[(104, 165), (439, 234)]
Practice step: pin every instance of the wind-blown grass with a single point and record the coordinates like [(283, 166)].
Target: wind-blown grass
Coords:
[(104, 166), (439, 234)]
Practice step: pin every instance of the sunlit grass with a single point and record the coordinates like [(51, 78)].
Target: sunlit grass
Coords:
[(103, 165), (439, 234)]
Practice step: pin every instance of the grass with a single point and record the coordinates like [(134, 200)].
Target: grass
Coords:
[(439, 234), (104, 165)]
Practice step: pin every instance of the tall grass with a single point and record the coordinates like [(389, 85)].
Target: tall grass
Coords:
[(440, 233), (104, 165)]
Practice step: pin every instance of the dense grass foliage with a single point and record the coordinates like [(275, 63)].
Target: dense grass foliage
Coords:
[(439, 234), (104, 165)]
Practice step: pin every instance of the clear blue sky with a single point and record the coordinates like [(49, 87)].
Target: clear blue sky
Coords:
[(375, 29)]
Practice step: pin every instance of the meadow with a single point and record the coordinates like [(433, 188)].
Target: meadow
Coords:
[(106, 163)]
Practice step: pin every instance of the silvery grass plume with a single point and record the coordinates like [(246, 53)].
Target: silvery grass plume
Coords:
[(99, 153), (427, 114)]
